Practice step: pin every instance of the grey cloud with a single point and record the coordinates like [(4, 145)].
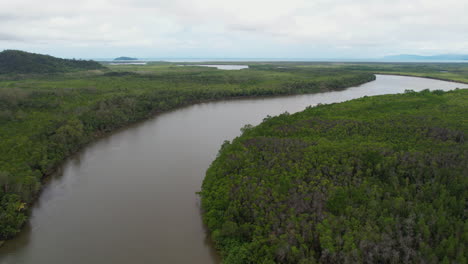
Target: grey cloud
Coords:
[(355, 25), (9, 37), (8, 17)]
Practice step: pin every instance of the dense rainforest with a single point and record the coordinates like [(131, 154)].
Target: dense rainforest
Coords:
[(374, 180), (45, 118), (20, 62)]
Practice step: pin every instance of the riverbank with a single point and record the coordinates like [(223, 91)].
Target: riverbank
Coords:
[(42, 124), (288, 189), (423, 76), (45, 119), (143, 180)]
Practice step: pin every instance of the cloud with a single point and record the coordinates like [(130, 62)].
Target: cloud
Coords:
[(9, 37), (236, 28)]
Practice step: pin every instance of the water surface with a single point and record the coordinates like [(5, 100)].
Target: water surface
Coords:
[(130, 197), (222, 67), (227, 67)]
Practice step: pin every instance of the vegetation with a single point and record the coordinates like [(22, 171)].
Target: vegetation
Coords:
[(45, 118), (20, 62), (374, 180), (457, 72), (50, 108)]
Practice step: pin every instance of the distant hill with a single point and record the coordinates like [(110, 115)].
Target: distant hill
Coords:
[(410, 57), (16, 61), (124, 58)]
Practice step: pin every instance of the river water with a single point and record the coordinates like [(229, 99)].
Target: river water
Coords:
[(226, 67), (130, 197), (220, 66)]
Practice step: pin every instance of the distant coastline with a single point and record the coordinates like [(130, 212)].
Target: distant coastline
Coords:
[(331, 60), (441, 57)]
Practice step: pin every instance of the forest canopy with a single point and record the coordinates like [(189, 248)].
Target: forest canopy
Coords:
[(375, 180)]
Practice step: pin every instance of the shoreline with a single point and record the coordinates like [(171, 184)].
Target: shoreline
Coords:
[(100, 135), (95, 136), (231, 197)]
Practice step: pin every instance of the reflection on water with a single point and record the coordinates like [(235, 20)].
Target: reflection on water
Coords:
[(222, 67), (227, 67), (130, 197)]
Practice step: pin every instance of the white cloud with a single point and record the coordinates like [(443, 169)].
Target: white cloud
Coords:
[(306, 28)]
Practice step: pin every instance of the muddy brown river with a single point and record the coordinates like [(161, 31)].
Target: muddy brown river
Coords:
[(130, 197)]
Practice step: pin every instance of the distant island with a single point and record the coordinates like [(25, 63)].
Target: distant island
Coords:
[(16, 61), (125, 59), (411, 57)]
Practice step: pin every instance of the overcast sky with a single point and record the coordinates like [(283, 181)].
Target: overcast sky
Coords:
[(234, 28)]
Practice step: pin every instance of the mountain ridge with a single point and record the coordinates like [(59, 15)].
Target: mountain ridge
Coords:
[(22, 62), (432, 57)]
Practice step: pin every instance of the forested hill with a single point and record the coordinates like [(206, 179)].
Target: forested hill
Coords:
[(15, 61), (375, 180)]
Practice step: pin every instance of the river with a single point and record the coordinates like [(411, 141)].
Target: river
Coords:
[(130, 197)]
